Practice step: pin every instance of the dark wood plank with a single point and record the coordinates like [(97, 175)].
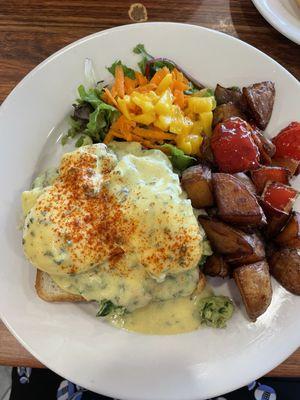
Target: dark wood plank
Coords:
[(31, 30), (12, 353)]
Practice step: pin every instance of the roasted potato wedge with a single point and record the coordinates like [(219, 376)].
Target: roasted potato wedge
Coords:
[(289, 163), (258, 254), (276, 220), (264, 174), (285, 267), (266, 147), (196, 181), (236, 204), (225, 111), (241, 176), (254, 283), (216, 266), (230, 95), (224, 239), (290, 234), (260, 98)]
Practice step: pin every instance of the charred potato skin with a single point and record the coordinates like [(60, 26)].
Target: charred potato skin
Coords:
[(258, 254), (254, 283), (196, 181), (285, 267), (216, 266), (289, 236), (241, 176), (236, 203), (237, 241)]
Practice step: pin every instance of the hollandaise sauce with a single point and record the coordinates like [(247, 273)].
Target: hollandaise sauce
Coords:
[(114, 224)]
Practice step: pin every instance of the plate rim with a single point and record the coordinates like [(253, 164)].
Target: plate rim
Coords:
[(281, 355)]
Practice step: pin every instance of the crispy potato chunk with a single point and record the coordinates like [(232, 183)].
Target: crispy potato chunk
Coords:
[(196, 181), (285, 267), (254, 283)]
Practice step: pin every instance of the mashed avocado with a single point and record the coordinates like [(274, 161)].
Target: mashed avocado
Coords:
[(215, 311)]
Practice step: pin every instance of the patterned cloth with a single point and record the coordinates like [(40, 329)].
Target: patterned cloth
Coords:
[(37, 384)]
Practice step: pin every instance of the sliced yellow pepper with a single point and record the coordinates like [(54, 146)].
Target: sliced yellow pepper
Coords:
[(164, 104), (145, 119), (206, 121), (163, 122), (197, 128), (122, 103), (164, 84), (200, 104)]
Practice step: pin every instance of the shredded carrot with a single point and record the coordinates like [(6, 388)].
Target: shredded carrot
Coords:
[(129, 84), (141, 79), (159, 75), (153, 134), (123, 124), (146, 88), (179, 85), (119, 81), (179, 76), (109, 136), (180, 99), (110, 98), (145, 143), (113, 91)]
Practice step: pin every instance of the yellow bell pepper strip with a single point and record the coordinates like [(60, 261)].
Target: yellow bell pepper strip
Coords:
[(164, 84), (164, 104), (206, 119), (145, 119), (199, 105)]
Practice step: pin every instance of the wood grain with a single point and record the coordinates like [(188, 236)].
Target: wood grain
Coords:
[(31, 30)]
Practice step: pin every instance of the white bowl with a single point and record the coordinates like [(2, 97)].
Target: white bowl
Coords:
[(283, 15), (68, 338)]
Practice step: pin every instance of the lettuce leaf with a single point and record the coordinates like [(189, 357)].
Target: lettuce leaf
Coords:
[(179, 160), (94, 122)]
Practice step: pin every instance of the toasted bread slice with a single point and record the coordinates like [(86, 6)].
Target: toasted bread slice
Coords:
[(48, 290)]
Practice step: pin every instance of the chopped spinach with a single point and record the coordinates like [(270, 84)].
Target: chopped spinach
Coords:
[(107, 307)]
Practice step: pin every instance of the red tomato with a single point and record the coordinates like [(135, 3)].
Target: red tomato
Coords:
[(264, 174), (279, 196), (287, 142), (233, 146)]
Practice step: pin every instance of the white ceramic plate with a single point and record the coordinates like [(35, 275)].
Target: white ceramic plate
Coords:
[(283, 15), (67, 337)]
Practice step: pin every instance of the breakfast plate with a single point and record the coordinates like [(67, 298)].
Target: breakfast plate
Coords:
[(282, 15), (67, 337)]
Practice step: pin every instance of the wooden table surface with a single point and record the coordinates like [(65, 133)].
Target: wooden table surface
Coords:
[(31, 30)]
